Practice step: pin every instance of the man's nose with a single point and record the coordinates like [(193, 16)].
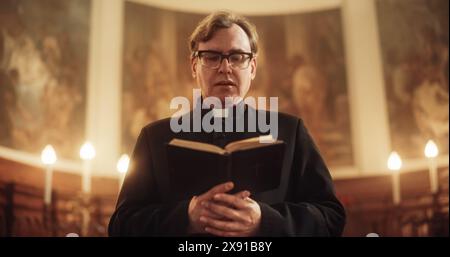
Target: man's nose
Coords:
[(225, 66)]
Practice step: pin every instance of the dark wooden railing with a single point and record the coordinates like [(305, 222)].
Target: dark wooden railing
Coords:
[(420, 215), (23, 212)]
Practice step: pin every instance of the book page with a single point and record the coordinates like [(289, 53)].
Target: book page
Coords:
[(248, 143), (197, 146)]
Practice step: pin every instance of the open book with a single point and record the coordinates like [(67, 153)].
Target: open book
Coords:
[(196, 167)]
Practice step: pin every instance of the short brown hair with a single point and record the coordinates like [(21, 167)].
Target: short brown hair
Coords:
[(220, 20)]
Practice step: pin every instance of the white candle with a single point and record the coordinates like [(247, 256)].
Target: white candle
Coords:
[(395, 164), (431, 151), (48, 185), (122, 168), (396, 196), (48, 157), (87, 153), (86, 177)]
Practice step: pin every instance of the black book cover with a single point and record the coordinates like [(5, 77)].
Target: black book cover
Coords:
[(254, 166)]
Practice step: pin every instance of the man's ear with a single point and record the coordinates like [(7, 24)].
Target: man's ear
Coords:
[(253, 65), (194, 67)]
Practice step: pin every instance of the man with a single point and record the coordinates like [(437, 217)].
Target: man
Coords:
[(224, 48)]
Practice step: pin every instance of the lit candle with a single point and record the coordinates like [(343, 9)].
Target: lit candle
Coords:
[(87, 153), (122, 167), (431, 151), (395, 164), (48, 158)]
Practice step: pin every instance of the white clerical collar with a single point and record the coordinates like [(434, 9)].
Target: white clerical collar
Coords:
[(221, 113)]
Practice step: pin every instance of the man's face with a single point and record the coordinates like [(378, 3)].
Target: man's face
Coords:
[(225, 81)]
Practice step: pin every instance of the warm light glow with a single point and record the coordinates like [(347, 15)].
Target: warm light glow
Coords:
[(122, 164), (394, 161), (431, 149), (87, 151), (48, 155)]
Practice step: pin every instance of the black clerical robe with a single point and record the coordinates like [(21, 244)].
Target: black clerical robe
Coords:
[(305, 204)]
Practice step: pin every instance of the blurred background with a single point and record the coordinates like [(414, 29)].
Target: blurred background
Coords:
[(80, 78)]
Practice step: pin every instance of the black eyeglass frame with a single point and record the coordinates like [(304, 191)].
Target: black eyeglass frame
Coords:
[(223, 56)]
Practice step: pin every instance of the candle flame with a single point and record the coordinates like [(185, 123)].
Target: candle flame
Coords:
[(394, 162), (87, 151), (122, 164), (48, 155), (431, 149)]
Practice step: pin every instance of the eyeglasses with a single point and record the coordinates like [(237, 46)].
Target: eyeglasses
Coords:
[(213, 59)]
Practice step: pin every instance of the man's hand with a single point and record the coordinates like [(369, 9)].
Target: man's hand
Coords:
[(241, 215), (197, 209)]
